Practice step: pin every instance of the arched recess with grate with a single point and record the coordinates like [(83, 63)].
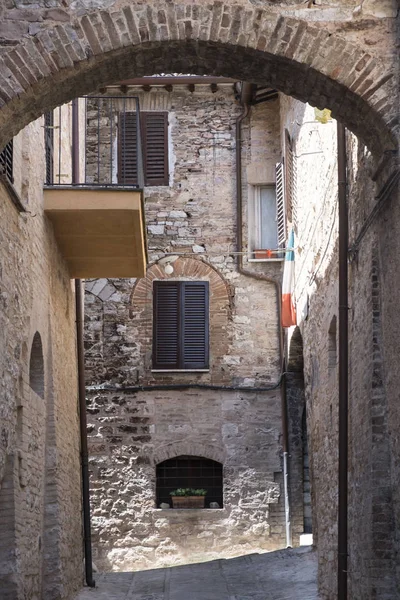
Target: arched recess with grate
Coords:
[(189, 471), (36, 366)]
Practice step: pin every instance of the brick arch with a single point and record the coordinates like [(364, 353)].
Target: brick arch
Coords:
[(81, 52), (186, 448), (184, 268)]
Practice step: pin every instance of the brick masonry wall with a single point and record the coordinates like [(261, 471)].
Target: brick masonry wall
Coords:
[(40, 539), (347, 46)]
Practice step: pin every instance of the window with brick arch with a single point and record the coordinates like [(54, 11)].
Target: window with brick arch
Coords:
[(190, 472)]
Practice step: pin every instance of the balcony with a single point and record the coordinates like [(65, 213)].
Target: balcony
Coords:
[(93, 193)]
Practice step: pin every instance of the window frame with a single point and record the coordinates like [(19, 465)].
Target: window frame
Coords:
[(158, 366), (254, 224)]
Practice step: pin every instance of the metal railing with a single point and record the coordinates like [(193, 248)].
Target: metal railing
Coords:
[(95, 141), (6, 162)]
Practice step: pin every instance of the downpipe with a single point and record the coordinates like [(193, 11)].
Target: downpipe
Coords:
[(79, 295), (245, 99), (343, 367)]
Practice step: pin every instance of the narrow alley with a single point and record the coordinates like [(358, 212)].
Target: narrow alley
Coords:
[(281, 575)]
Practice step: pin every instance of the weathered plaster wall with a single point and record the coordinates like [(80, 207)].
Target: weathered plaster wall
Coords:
[(40, 539)]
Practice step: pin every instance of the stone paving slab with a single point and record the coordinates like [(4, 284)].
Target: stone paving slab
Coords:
[(282, 575)]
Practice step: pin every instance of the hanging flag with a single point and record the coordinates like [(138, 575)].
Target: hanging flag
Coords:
[(288, 307)]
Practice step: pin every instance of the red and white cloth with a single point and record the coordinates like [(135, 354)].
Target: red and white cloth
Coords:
[(288, 305)]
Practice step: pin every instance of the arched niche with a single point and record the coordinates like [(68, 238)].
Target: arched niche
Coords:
[(36, 366)]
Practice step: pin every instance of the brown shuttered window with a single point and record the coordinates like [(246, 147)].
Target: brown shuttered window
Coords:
[(6, 162), (154, 126), (49, 146), (180, 325)]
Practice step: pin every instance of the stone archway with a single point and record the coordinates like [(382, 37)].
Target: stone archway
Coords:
[(73, 52)]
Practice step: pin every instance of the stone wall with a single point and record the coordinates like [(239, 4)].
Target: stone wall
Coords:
[(129, 430), (40, 525), (132, 432), (372, 500)]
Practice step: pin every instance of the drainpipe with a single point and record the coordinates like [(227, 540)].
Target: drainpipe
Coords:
[(79, 295), (245, 100), (343, 366)]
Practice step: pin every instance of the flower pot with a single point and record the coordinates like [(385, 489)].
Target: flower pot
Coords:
[(264, 253), (188, 501)]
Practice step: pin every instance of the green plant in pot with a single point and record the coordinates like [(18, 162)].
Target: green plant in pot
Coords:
[(188, 498)]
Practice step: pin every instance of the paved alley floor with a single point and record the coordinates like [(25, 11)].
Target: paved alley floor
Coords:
[(281, 575)]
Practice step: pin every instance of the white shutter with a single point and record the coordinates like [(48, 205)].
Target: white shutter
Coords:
[(294, 193), (280, 204)]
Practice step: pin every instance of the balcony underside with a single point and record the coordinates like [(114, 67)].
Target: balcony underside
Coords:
[(100, 232)]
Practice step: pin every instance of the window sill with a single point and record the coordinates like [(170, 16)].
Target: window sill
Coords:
[(258, 260), (189, 511), (180, 370)]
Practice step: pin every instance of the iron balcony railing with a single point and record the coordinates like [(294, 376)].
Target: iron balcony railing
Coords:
[(6, 162), (95, 141)]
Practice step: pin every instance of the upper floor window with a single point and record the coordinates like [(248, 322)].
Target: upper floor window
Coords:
[(154, 129), (6, 162), (181, 325), (267, 218)]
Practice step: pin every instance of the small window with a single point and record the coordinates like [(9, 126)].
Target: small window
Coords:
[(6, 162), (180, 325), (189, 472), (267, 234), (154, 132), (267, 218)]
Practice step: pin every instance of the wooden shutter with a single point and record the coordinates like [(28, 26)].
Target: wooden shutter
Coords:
[(6, 161), (49, 146), (290, 181), (180, 325), (127, 149), (280, 204), (155, 136), (195, 325), (166, 325)]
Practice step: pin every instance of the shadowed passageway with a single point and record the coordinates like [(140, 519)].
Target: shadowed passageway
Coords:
[(282, 575)]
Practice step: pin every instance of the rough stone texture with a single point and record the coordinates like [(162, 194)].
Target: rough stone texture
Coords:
[(49, 56), (40, 525), (131, 432), (372, 499), (285, 575)]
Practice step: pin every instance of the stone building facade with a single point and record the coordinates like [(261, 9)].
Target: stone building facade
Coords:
[(341, 55), (40, 498), (229, 412)]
